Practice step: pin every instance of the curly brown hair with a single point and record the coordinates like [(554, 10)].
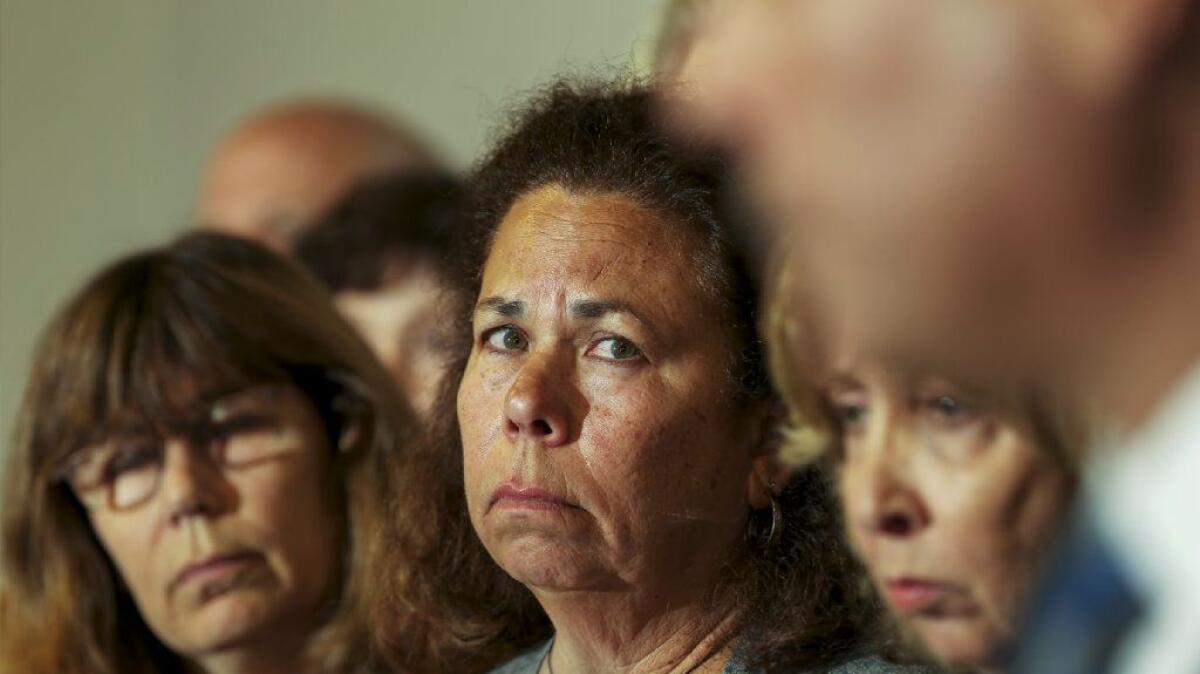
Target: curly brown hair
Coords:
[(799, 597)]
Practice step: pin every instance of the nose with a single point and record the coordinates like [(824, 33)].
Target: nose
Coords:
[(886, 504), (898, 512), (190, 485), (537, 407)]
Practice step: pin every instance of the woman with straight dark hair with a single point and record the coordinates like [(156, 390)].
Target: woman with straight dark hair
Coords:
[(201, 474)]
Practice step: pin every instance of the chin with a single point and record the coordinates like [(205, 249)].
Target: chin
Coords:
[(229, 622), (960, 643), (547, 564)]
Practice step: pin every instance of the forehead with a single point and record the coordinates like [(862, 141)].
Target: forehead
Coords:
[(602, 241)]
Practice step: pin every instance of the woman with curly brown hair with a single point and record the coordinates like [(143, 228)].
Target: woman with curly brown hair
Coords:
[(617, 426), (204, 459)]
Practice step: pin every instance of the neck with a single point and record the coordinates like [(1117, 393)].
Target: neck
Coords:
[(637, 633), (277, 657), (1153, 329), (1145, 368)]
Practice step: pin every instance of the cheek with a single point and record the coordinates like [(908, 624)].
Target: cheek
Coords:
[(996, 521), (647, 447), (1026, 519), (132, 546), (480, 415), (426, 363), (852, 493), (295, 517)]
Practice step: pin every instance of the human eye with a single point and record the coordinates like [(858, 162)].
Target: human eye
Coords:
[(505, 338), (128, 456), (849, 410), (244, 428), (849, 414), (950, 410), (243, 438), (957, 426), (614, 348), (241, 424)]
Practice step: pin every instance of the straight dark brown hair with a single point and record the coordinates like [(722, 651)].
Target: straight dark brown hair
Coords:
[(138, 344)]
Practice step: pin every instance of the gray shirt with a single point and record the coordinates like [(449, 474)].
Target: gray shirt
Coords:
[(529, 661)]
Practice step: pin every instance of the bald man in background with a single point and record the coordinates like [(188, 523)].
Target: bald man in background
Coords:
[(281, 169)]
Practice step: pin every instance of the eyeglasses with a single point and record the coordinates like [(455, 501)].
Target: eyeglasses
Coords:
[(235, 432)]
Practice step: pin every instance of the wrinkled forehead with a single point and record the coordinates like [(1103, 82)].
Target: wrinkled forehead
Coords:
[(554, 217), (603, 243)]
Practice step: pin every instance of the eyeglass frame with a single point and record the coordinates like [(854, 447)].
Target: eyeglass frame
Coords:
[(332, 403)]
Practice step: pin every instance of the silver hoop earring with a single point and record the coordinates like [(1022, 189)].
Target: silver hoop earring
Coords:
[(776, 523), (762, 534)]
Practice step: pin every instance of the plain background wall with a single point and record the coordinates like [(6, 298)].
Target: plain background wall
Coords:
[(108, 109)]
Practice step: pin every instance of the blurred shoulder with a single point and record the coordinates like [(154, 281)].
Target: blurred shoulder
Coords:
[(863, 665), (525, 663), (877, 665)]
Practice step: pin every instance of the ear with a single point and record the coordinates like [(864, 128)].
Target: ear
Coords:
[(1112, 42), (768, 477), (768, 474), (355, 426), (352, 435)]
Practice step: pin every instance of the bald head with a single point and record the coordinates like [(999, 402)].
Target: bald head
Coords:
[(279, 170)]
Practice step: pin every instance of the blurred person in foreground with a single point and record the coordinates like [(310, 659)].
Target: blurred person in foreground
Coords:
[(279, 170), (678, 48), (952, 495), (617, 427), (1007, 190), (201, 476), (382, 252)]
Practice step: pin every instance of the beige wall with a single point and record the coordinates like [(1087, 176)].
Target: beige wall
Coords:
[(107, 108)]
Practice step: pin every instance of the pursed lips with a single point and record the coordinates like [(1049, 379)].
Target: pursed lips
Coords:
[(912, 595), (529, 497), (212, 564)]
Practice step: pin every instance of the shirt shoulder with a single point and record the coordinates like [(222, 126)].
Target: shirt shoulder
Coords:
[(877, 665), (863, 665), (525, 663)]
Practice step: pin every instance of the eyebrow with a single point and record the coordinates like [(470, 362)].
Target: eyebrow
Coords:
[(502, 306), (593, 309), (840, 381), (580, 309)]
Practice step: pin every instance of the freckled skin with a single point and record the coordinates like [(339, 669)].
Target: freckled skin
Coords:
[(653, 449), (982, 498)]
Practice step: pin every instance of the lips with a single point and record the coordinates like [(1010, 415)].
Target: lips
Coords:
[(512, 496), (914, 595), (214, 567)]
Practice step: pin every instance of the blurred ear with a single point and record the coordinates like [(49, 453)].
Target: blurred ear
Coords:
[(352, 435), (768, 477), (766, 472), (766, 418), (356, 423), (1112, 42)]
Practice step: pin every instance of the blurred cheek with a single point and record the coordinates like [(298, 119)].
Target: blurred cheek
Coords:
[(374, 324), (420, 374), (288, 512), (131, 544), (1024, 533), (981, 542), (852, 490)]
